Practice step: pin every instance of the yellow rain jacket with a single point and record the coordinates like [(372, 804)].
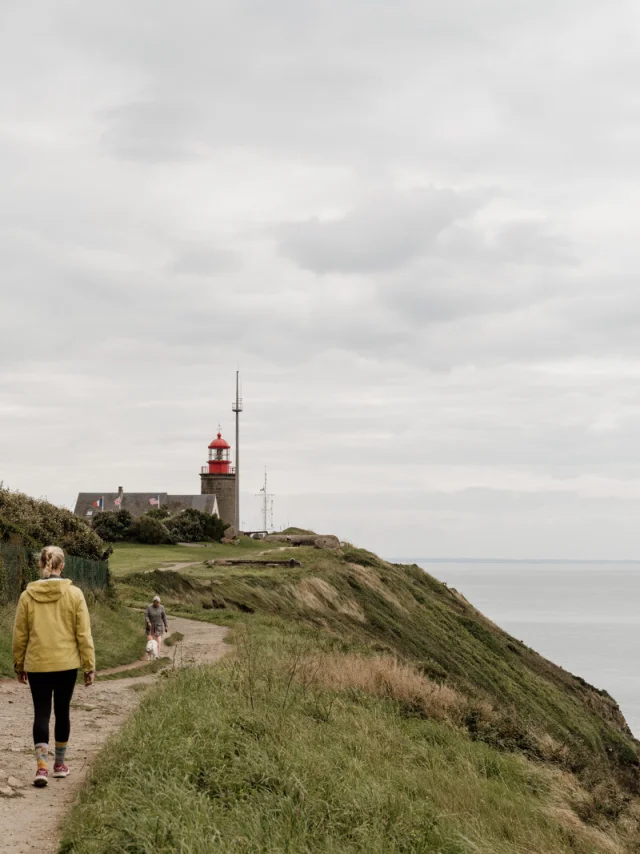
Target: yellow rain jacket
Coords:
[(52, 629)]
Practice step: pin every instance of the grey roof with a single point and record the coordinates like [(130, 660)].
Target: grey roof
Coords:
[(138, 503)]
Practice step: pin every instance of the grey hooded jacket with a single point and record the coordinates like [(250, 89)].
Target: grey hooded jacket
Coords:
[(155, 615)]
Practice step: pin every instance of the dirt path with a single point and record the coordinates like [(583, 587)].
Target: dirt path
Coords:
[(29, 817)]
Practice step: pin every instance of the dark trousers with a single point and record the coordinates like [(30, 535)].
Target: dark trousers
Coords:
[(60, 685)]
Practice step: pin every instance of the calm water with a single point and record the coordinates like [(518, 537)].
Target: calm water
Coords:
[(584, 617)]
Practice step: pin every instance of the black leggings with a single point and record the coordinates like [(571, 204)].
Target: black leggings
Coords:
[(60, 684)]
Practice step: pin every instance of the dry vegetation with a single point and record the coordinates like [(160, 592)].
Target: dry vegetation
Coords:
[(385, 677)]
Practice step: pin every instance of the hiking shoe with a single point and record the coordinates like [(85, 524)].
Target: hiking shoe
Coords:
[(42, 778), (61, 770)]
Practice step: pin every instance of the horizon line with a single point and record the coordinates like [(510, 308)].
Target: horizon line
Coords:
[(513, 560)]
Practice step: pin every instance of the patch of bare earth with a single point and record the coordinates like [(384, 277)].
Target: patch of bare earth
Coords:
[(29, 817)]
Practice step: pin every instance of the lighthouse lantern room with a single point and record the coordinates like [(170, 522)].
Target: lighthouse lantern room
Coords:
[(219, 456), (218, 477)]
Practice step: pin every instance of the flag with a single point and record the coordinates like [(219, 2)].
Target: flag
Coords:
[(155, 501), (98, 503), (118, 501)]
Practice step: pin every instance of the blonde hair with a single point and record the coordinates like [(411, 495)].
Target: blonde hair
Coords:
[(51, 560)]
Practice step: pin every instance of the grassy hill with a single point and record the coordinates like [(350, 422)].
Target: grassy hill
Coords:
[(367, 708)]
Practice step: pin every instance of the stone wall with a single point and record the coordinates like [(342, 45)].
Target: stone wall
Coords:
[(223, 486)]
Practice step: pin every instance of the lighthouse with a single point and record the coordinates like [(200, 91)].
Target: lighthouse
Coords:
[(218, 477)]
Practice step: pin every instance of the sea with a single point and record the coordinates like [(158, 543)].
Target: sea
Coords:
[(584, 616)]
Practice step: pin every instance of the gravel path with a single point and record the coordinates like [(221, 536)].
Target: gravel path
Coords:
[(29, 817)]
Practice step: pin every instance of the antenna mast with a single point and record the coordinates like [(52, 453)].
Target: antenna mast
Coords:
[(267, 505), (237, 408)]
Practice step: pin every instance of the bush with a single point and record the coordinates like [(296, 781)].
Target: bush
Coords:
[(113, 525), (193, 526), (36, 523), (159, 513), (187, 527), (152, 532), (157, 526)]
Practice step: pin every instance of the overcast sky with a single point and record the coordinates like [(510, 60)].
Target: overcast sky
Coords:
[(412, 225)]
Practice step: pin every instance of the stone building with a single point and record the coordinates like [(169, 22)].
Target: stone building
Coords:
[(217, 492), (88, 504)]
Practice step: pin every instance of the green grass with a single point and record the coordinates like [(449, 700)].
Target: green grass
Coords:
[(368, 708), (146, 669), (173, 638), (133, 557), (118, 634), (270, 763), (371, 605)]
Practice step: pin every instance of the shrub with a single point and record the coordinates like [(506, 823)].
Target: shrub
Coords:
[(159, 513), (158, 527), (214, 528), (152, 531), (113, 525), (37, 523), (193, 526), (188, 526), (4, 582)]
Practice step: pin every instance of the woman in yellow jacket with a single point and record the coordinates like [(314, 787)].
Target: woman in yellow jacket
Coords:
[(51, 640)]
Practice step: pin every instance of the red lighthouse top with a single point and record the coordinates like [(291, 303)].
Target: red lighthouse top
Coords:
[(219, 456), (219, 442)]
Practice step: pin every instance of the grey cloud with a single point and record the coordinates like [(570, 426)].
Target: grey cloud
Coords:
[(191, 189), (524, 241), (202, 260), (521, 241), (436, 292), (151, 131), (383, 234)]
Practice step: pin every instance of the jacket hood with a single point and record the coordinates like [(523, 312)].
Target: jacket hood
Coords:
[(49, 589)]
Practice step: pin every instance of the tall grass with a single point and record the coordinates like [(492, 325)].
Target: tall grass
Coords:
[(370, 606), (260, 754), (384, 676)]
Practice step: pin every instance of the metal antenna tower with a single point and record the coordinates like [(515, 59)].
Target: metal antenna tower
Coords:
[(267, 505), (237, 407)]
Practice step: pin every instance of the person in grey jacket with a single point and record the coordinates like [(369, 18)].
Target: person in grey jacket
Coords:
[(156, 621)]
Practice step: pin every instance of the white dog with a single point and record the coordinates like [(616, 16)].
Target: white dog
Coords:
[(152, 649)]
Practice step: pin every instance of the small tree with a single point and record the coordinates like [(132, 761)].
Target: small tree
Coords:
[(113, 525), (159, 512), (36, 523), (153, 532), (187, 527), (193, 526), (214, 528)]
